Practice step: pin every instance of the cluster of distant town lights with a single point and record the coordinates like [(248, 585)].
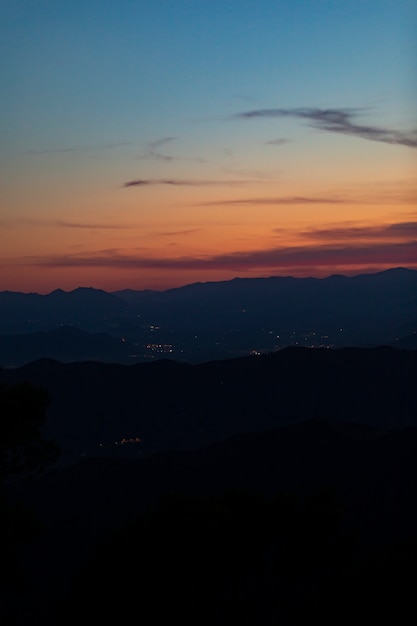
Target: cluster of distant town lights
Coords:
[(124, 441), (168, 348)]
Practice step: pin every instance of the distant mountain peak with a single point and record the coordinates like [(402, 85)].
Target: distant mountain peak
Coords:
[(58, 291), (86, 290)]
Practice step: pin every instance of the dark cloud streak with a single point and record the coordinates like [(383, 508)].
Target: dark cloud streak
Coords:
[(93, 226), (153, 152), (277, 201), (173, 233), (276, 258), (277, 142), (179, 182), (387, 231), (337, 121), (108, 146), (63, 224)]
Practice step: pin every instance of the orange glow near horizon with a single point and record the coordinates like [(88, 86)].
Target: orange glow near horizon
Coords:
[(310, 238), (235, 147), (192, 235)]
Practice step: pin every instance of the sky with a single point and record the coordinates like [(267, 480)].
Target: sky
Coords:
[(150, 145)]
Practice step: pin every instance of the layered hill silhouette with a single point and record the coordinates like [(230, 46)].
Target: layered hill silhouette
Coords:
[(329, 434), (234, 443), (364, 478), (102, 408), (206, 321)]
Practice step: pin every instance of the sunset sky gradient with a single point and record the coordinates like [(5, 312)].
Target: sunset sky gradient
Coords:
[(148, 145)]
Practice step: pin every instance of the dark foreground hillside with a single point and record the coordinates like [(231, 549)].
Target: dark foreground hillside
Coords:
[(293, 522), (263, 490), (96, 406)]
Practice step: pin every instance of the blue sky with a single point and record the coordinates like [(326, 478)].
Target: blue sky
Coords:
[(235, 97)]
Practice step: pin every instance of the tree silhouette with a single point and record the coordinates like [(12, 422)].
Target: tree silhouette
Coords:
[(23, 449), (24, 453)]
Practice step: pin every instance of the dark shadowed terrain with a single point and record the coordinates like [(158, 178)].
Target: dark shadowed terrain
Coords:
[(278, 487), (168, 405), (367, 474)]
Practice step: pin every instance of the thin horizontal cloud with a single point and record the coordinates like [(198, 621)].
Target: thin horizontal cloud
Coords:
[(178, 182), (337, 121), (277, 201), (402, 229), (174, 233), (106, 146), (321, 255), (272, 259), (91, 225), (277, 142), (63, 224)]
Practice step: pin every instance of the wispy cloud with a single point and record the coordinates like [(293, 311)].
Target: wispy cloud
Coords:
[(153, 150), (91, 225), (174, 233), (178, 182), (403, 228), (284, 200), (273, 259), (63, 224), (386, 231), (337, 121), (277, 142), (358, 196), (105, 146)]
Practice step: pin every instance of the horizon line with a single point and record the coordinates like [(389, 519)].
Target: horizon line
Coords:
[(182, 286)]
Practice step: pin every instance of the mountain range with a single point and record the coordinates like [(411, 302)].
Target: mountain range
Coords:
[(213, 392), (104, 409), (208, 321)]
